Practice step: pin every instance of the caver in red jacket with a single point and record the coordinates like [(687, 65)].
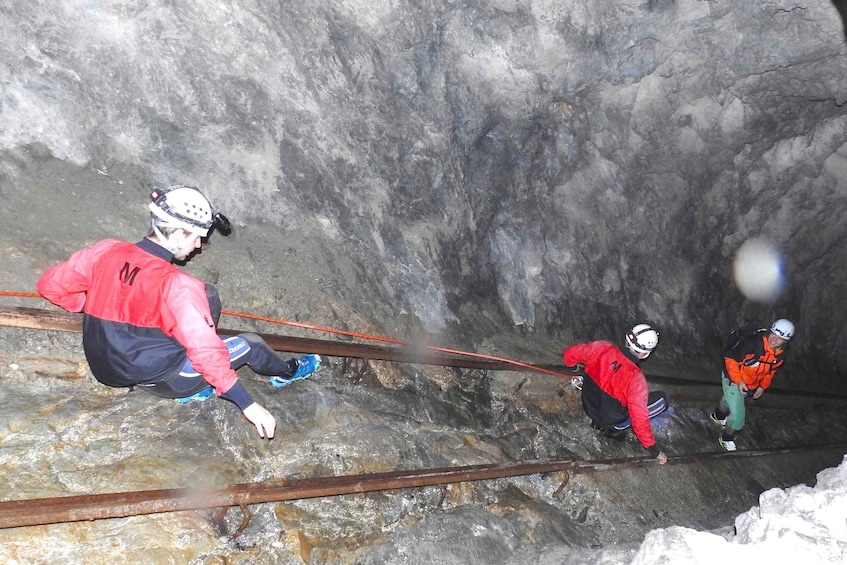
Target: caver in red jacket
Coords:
[(142, 316), (620, 378)]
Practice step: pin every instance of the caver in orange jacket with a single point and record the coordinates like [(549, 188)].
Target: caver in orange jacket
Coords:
[(754, 362)]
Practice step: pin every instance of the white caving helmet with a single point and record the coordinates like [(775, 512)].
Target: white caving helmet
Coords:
[(641, 340), (783, 328), (182, 207)]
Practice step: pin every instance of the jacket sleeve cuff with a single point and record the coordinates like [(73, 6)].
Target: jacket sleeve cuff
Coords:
[(239, 395), (653, 450)]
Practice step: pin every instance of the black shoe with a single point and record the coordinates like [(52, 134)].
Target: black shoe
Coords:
[(612, 433)]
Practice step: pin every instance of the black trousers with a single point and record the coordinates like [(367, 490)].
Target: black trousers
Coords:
[(250, 350), (604, 410)]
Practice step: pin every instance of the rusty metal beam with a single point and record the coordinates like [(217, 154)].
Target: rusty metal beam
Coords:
[(379, 352), (32, 318), (16, 513)]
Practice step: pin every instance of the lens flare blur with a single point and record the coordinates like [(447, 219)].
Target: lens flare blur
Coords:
[(758, 271)]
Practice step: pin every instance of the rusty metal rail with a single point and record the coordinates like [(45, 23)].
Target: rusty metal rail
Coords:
[(33, 318), (32, 512), (93, 507)]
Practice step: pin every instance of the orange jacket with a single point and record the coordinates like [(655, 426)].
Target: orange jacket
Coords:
[(754, 362)]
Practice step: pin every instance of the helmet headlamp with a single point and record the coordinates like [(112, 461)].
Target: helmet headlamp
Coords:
[(187, 208)]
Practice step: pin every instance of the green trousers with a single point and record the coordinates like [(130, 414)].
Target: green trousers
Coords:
[(732, 402)]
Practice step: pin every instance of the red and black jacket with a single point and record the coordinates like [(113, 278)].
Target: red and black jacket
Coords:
[(621, 379), (142, 316)]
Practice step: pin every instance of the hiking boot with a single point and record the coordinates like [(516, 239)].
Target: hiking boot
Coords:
[(719, 421), (727, 444), (198, 396), (576, 382), (306, 365)]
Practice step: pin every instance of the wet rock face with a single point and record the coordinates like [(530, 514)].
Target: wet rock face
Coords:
[(551, 170), (64, 434), (563, 167)]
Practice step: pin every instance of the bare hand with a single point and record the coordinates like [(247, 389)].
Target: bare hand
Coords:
[(263, 420), (742, 387), (758, 394), (662, 458)]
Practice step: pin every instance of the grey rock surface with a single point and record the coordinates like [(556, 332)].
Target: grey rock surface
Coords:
[(502, 176), (562, 167)]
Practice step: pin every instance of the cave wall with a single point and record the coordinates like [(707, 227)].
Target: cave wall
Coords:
[(557, 167)]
